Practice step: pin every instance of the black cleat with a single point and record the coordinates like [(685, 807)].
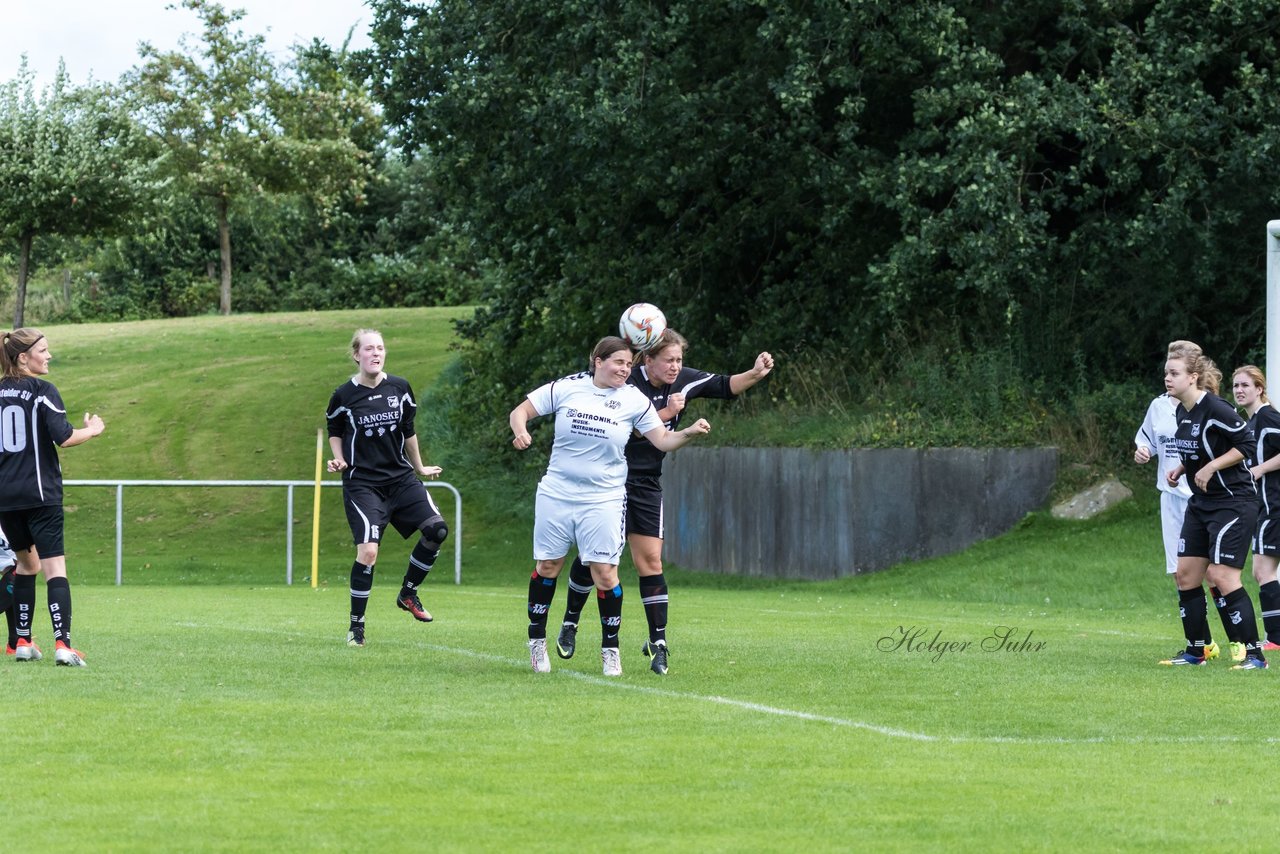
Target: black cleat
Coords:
[(567, 641), (658, 654), (355, 637)]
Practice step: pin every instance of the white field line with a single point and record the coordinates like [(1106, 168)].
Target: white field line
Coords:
[(888, 732), (795, 714)]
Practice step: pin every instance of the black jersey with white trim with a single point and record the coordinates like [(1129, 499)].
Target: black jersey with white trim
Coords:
[(1265, 424), (643, 459), (373, 424), (1210, 429), (33, 424)]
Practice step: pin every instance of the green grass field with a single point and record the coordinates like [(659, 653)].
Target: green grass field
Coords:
[(222, 711)]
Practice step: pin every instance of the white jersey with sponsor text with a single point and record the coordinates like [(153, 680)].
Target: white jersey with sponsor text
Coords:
[(588, 459), (1157, 435)]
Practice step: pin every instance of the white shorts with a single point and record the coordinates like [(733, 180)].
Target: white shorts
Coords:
[(595, 527), (1173, 508)]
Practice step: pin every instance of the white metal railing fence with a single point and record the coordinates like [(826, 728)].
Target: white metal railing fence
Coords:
[(290, 486)]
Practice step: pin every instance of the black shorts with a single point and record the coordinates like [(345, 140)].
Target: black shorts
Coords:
[(1266, 536), (1221, 532), (36, 526), (644, 506), (404, 503)]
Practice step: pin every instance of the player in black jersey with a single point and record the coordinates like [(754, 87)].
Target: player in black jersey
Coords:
[(669, 385), (1213, 442), (375, 446), (1249, 385), (33, 425)]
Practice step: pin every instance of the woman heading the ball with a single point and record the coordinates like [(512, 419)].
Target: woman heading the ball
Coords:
[(375, 446), (581, 498), (669, 386), (35, 425), (1249, 385), (1213, 442)]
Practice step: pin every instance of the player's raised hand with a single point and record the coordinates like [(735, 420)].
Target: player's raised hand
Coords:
[(698, 428), (95, 424), (764, 364), (337, 465), (676, 401), (521, 441)]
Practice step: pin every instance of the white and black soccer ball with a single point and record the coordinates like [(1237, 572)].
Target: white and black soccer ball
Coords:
[(642, 324)]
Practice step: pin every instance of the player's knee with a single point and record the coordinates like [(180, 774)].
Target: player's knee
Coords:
[(580, 573), (434, 531)]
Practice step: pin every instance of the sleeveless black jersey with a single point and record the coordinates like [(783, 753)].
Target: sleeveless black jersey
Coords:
[(1265, 424), (1210, 429), (33, 423), (643, 459), (373, 424)]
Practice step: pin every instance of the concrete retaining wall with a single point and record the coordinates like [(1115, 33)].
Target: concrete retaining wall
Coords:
[(795, 513)]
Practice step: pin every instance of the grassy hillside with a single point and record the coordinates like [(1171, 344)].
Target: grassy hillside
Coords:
[(215, 398)]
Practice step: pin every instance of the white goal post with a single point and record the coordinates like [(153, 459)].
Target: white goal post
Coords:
[(1271, 340)]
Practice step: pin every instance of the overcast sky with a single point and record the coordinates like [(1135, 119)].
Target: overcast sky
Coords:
[(101, 36)]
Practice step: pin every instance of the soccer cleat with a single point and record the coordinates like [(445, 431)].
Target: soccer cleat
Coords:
[(411, 603), (612, 660), (1211, 651), (1251, 663), (27, 651), (538, 655), (1237, 651), (567, 642), (355, 637), (647, 649), (1183, 658), (65, 656), (658, 664), (1267, 646)]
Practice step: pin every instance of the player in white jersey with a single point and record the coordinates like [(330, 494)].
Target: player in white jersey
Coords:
[(670, 385), (581, 500), (33, 421), (1155, 441)]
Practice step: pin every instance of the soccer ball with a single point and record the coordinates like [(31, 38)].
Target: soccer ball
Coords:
[(642, 324)]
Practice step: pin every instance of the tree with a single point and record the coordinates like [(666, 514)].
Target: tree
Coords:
[(1072, 184), (235, 127), (68, 165)]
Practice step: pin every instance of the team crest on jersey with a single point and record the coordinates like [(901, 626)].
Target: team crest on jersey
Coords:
[(1195, 431), (613, 404), (393, 401)]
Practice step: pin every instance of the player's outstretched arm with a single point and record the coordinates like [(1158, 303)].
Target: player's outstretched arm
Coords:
[(415, 457), (519, 421), (93, 426), (666, 441), (738, 383)]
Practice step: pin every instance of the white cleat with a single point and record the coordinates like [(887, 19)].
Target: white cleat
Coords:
[(538, 655), (612, 660), (27, 651), (65, 656)]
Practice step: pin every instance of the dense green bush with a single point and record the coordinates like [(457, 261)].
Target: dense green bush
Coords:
[(1070, 185)]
